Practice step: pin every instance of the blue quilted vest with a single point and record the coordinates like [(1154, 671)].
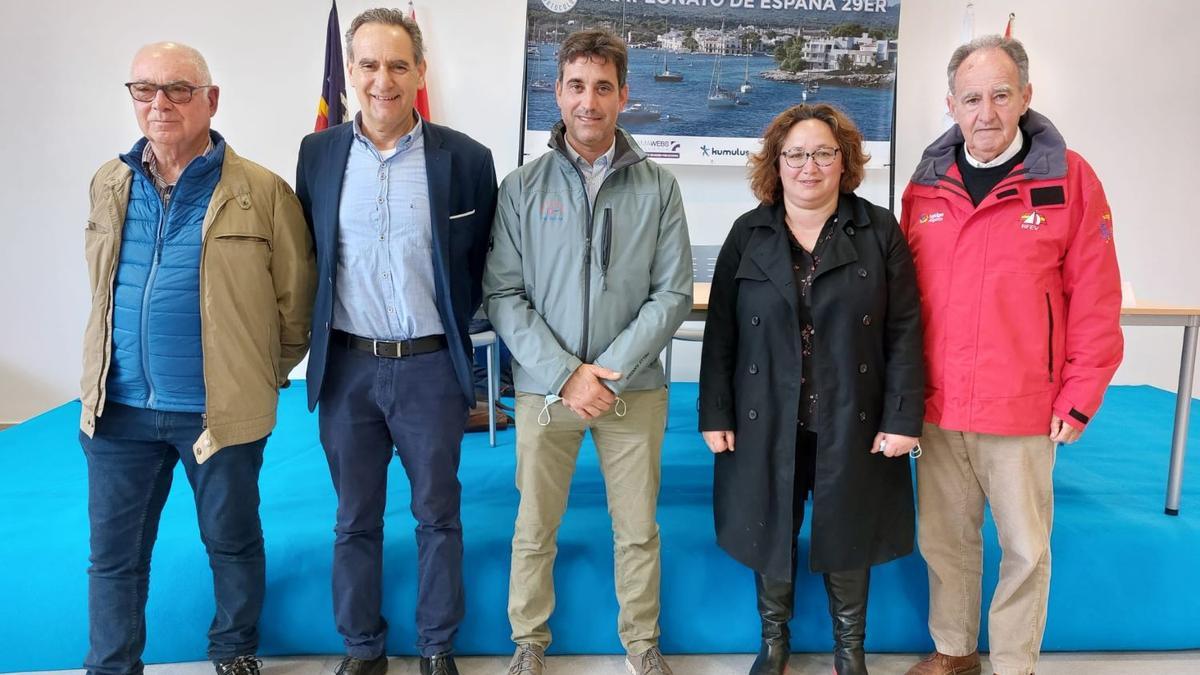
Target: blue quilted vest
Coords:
[(157, 359)]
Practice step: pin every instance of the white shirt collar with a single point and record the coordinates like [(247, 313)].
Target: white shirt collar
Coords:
[(1009, 153), (602, 162)]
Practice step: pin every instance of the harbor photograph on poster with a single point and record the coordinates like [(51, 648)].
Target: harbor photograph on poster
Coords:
[(707, 76)]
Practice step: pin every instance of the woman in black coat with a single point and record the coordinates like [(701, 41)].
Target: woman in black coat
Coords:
[(811, 379)]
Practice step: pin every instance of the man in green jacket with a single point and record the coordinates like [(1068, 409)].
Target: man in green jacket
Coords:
[(589, 276), (202, 277)]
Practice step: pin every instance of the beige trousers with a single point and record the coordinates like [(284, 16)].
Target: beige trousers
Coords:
[(956, 474), (630, 451)]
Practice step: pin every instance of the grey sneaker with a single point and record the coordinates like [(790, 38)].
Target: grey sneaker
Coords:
[(649, 662), (529, 659)]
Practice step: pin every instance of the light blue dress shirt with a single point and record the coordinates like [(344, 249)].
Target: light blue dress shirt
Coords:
[(385, 287)]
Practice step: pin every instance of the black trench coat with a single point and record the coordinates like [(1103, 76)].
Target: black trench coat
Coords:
[(868, 374)]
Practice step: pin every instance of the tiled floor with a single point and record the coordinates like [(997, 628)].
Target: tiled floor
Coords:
[(1117, 663)]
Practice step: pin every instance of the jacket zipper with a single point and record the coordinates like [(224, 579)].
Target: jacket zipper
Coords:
[(587, 263), (587, 274), (1050, 339), (154, 263)]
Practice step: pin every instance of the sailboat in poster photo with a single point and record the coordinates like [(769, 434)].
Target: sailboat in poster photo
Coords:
[(719, 97), (665, 75)]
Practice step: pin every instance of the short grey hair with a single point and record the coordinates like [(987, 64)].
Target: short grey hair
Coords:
[(387, 17), (1010, 46)]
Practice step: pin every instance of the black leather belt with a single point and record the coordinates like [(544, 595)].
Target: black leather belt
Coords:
[(391, 350)]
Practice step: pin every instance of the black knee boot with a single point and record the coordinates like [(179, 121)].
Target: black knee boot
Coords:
[(848, 609), (775, 601)]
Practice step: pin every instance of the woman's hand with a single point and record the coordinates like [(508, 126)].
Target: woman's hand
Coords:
[(718, 441), (896, 445)]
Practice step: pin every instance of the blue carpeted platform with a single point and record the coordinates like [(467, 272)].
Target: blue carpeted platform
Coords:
[(1125, 575)]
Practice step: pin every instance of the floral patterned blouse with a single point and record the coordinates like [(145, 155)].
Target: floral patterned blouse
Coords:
[(804, 266)]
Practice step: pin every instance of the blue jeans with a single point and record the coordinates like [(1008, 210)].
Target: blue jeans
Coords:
[(131, 460), (368, 406)]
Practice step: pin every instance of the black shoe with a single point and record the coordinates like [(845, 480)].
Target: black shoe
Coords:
[(848, 609), (353, 666), (775, 600), (242, 665), (441, 664)]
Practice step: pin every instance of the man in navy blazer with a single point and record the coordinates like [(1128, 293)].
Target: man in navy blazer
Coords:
[(401, 212)]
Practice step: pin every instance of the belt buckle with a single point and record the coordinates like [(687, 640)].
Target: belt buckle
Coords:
[(398, 345)]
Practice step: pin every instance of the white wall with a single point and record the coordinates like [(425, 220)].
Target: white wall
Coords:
[(1118, 78)]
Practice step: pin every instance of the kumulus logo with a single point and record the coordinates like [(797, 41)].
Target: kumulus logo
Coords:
[(723, 152)]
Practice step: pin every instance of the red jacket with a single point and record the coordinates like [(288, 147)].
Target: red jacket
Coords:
[(1021, 295)]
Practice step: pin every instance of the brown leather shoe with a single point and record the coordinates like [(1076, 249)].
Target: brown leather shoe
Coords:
[(477, 417), (938, 663)]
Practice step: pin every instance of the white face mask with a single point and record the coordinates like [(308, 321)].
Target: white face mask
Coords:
[(551, 399), (619, 407)]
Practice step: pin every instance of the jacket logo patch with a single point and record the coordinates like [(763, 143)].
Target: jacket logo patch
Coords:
[(1053, 195), (552, 210), (1106, 231), (1032, 221), (935, 217)]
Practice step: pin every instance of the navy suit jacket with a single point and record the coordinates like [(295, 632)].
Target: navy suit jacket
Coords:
[(462, 202)]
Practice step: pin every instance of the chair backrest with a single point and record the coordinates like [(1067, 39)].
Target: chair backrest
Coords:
[(704, 261)]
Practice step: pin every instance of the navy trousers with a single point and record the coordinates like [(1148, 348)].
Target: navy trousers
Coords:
[(131, 459), (368, 406)]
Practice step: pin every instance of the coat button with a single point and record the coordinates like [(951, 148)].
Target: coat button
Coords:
[(850, 230), (866, 319), (753, 368), (862, 368), (862, 272), (754, 320), (753, 414), (862, 416)]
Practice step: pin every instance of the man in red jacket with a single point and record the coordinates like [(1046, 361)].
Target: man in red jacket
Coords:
[(1021, 298)]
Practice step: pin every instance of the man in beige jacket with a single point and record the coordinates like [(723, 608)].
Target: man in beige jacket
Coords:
[(202, 278)]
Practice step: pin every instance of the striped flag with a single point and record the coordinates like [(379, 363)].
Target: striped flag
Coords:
[(331, 109), (421, 103), (1008, 28)]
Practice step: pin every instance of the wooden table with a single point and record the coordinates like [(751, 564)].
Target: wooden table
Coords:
[(1141, 314)]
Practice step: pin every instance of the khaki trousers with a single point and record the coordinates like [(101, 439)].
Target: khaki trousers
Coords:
[(955, 475), (630, 451)]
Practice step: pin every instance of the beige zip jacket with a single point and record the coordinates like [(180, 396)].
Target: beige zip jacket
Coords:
[(257, 279)]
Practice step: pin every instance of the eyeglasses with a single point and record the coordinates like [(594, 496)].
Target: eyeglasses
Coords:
[(797, 158), (177, 92)]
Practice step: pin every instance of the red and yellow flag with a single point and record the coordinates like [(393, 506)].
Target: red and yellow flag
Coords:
[(421, 103), (331, 108)]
